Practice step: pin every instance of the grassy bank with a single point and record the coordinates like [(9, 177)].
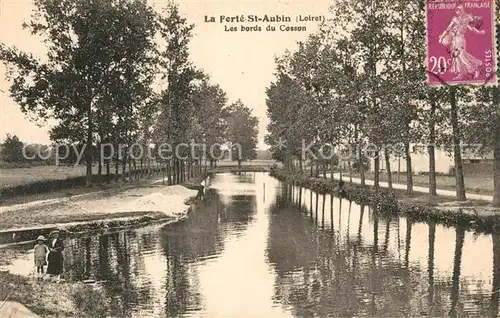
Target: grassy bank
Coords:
[(50, 299), (397, 203), (474, 183)]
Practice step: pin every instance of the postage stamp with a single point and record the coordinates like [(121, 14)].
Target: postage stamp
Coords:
[(461, 42)]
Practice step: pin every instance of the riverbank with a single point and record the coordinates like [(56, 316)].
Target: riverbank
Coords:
[(98, 211), (474, 215), (143, 200), (50, 299)]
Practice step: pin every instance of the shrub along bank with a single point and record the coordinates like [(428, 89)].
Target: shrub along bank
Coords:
[(385, 202)]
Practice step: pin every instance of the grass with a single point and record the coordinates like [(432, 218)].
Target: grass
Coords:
[(52, 299), (19, 176), (478, 184)]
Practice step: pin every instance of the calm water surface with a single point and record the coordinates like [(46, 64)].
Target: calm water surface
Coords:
[(257, 248)]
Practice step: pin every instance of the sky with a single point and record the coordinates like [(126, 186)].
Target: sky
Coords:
[(242, 63)]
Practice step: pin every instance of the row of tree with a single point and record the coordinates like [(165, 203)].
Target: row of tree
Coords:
[(361, 80), (118, 72)]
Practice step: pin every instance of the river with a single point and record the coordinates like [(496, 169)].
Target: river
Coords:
[(251, 249)]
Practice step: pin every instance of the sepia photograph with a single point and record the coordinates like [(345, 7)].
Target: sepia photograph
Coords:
[(249, 158)]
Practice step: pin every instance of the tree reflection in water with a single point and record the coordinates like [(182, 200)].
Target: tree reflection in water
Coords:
[(319, 276), (110, 259), (362, 263)]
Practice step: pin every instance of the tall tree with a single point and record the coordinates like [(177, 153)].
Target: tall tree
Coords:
[(12, 149), (91, 46), (243, 132), (181, 76)]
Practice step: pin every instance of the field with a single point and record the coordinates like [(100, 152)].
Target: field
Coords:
[(18, 176)]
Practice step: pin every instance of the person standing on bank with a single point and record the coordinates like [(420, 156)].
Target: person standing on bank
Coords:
[(56, 246), (40, 252)]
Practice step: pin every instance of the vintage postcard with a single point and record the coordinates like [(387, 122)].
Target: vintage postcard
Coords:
[(257, 158)]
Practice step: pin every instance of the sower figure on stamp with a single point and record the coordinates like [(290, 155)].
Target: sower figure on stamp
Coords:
[(56, 246), (462, 63)]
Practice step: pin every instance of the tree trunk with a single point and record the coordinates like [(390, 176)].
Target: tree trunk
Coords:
[(399, 168), (361, 166), (409, 170), (179, 171), (496, 150), (312, 167), (431, 150), (359, 155), (89, 152), (99, 167), (376, 170), (239, 163), (169, 172), (136, 173), (457, 153), (192, 168), (301, 168), (332, 169), (183, 170), (325, 167), (387, 157), (430, 265), (117, 169), (124, 168), (455, 279), (108, 171), (409, 225), (350, 168), (141, 163), (130, 171)]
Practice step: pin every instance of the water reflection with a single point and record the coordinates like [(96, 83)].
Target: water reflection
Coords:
[(264, 249), (381, 282)]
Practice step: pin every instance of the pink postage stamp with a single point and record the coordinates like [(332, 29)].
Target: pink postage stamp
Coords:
[(461, 42)]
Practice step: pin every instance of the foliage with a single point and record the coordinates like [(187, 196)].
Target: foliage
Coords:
[(242, 132), (360, 81), (116, 72), (12, 149)]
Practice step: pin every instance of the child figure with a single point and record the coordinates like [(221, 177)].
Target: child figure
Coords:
[(40, 252)]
